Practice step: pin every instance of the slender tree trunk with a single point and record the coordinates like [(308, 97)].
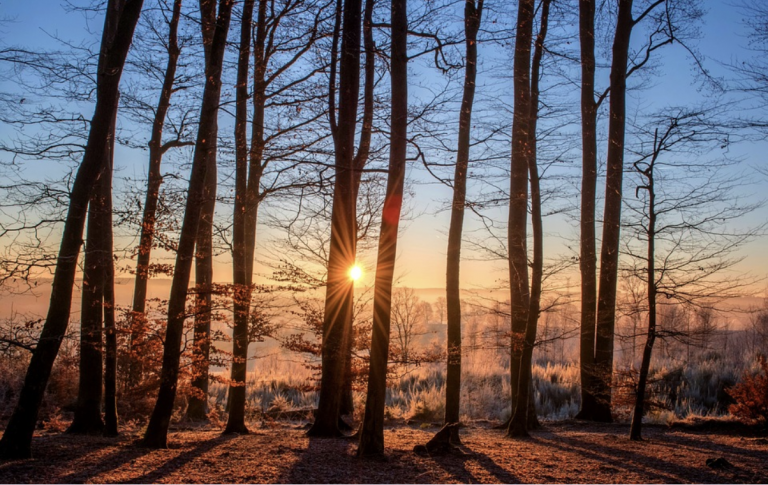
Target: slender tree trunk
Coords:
[(198, 402), (361, 158), (341, 257), (155, 179), (472, 17), (120, 23), (372, 431), (635, 431), (241, 294), (110, 330), (609, 252), (157, 430), (588, 253), (524, 410), (518, 200)]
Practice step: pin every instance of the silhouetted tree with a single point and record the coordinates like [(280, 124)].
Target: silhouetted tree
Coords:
[(473, 12), (341, 257), (157, 429), (120, 22), (681, 242), (372, 430), (156, 150), (524, 412)]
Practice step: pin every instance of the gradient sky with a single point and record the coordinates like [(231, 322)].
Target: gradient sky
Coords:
[(423, 242)]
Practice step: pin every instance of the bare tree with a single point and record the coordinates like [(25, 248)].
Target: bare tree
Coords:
[(518, 192), (156, 150), (681, 217), (157, 430), (372, 431), (98, 275), (524, 413), (120, 22), (665, 22), (473, 12), (341, 256)]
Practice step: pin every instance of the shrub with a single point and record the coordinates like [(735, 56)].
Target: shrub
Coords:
[(751, 395)]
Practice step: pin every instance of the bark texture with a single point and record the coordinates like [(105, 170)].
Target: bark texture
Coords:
[(518, 201)]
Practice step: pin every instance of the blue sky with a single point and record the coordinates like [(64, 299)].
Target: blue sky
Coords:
[(422, 245)]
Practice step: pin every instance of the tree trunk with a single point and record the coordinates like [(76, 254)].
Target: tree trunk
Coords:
[(154, 180), (198, 401), (518, 201), (588, 253), (157, 430), (341, 257), (372, 431), (110, 331), (472, 17), (87, 419), (524, 410), (635, 430), (609, 252), (241, 294), (116, 40), (361, 158)]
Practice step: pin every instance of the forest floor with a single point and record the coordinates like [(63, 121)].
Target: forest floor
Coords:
[(280, 452)]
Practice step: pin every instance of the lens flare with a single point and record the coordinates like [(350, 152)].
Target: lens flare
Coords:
[(355, 272)]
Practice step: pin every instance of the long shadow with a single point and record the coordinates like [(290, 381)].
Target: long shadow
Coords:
[(656, 469), (309, 467), (122, 455), (48, 452), (455, 465), (181, 459), (699, 442)]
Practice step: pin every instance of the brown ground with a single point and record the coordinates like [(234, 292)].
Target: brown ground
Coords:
[(564, 452)]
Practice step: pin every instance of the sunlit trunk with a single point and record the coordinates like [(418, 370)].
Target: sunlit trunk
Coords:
[(241, 293)]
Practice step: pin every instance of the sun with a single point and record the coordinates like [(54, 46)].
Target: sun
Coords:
[(355, 272)]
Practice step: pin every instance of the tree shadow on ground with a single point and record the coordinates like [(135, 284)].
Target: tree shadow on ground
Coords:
[(48, 451), (312, 468), (652, 468), (181, 459), (119, 457), (455, 464)]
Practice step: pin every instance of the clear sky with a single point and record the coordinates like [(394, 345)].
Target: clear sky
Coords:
[(423, 242)]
